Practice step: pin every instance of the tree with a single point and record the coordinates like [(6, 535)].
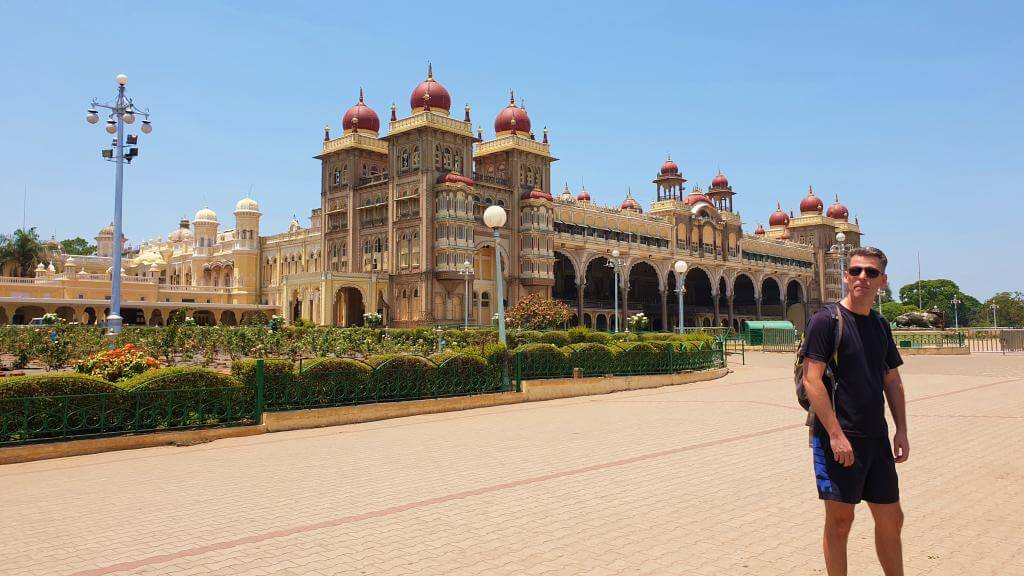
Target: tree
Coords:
[(78, 246), (1009, 314), (535, 312), (886, 294), (938, 293), (23, 249), (893, 309)]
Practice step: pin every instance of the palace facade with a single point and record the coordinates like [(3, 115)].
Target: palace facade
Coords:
[(399, 230)]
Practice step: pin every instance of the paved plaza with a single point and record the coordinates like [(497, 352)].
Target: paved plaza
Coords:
[(708, 478)]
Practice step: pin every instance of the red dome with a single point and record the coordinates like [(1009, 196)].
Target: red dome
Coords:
[(453, 178), (693, 198), (669, 167), (720, 181), (630, 203), (778, 218), (811, 204), (760, 230), (537, 194), (838, 211), (430, 94), (360, 117), (583, 196), (512, 118)]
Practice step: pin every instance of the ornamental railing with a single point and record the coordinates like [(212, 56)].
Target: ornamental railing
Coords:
[(907, 339)]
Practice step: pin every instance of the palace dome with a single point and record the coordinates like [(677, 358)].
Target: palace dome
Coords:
[(430, 94), (107, 231), (811, 204), (566, 194), (695, 197), (182, 233), (669, 167), (778, 218), (247, 205), (512, 118), (630, 203), (360, 117), (583, 196), (205, 215), (454, 178), (838, 211), (760, 230), (720, 181), (537, 194)]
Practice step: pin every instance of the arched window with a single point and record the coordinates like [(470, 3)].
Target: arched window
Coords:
[(405, 159), (366, 170), (485, 299), (416, 156), (403, 252), (447, 160), (337, 177), (344, 174), (437, 155), (458, 162), (415, 249)]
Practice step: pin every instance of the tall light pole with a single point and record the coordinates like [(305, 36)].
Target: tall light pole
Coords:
[(122, 111), (467, 271), (840, 248), (995, 323), (615, 263), (956, 316), (494, 218), (680, 267)]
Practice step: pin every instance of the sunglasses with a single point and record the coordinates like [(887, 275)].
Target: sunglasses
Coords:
[(855, 271)]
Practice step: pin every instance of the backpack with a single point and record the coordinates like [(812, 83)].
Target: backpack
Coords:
[(828, 377)]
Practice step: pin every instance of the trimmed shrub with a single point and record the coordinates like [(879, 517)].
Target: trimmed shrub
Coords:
[(525, 337), (623, 337), (578, 335), (328, 382), (460, 374), (179, 378), (592, 358), (599, 338), (187, 396), (557, 338), (55, 384), (400, 377), (640, 358), (279, 378), (542, 361)]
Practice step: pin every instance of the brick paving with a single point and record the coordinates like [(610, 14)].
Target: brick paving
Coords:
[(708, 478)]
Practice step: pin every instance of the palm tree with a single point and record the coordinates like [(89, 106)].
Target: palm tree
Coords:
[(23, 248)]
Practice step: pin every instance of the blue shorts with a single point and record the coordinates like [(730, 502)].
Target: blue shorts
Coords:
[(871, 478)]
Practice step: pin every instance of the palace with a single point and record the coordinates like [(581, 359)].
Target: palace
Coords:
[(399, 231)]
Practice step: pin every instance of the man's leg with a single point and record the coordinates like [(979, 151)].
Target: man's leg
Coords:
[(888, 525), (838, 521)]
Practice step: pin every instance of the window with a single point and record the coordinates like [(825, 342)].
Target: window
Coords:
[(437, 155), (337, 177), (447, 157), (416, 156), (366, 171), (344, 174), (415, 249), (403, 252), (485, 299), (405, 159)]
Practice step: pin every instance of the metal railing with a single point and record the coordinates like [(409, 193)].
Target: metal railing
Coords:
[(633, 359), (1001, 340), (907, 339)]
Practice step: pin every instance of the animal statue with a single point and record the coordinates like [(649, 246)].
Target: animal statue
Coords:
[(925, 320)]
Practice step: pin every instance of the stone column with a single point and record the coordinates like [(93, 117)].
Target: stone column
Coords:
[(714, 298), (732, 315), (624, 305), (757, 297), (664, 310), (579, 300)]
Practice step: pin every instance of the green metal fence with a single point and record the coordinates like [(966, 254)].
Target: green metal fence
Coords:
[(84, 415), (779, 340), (908, 339)]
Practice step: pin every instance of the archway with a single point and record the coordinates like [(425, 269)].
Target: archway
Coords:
[(723, 297), (565, 288), (602, 323), (744, 301), (771, 298), (90, 316), (133, 317), (697, 299), (673, 302), (587, 322), (204, 318), (3, 316), (600, 282), (794, 304), (227, 318), (25, 314), (296, 308), (645, 293), (348, 307), (156, 318), (66, 313)]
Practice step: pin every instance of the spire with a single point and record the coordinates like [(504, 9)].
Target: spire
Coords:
[(467, 113), (480, 133), (327, 133), (778, 206), (566, 189), (810, 190), (361, 95), (511, 97), (545, 134), (394, 112), (522, 104), (430, 72)]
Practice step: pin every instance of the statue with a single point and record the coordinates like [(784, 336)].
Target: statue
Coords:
[(921, 320)]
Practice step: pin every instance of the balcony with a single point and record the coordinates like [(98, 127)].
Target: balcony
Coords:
[(487, 179)]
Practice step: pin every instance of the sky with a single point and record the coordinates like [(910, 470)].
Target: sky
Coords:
[(910, 111)]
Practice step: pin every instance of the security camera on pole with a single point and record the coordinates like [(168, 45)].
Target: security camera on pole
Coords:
[(494, 218), (122, 111)]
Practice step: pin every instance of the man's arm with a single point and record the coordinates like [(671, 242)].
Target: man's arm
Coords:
[(898, 406), (821, 404)]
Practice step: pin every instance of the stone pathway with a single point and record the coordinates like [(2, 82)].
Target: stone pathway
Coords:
[(709, 478)]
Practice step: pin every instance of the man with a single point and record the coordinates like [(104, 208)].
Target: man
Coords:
[(853, 460)]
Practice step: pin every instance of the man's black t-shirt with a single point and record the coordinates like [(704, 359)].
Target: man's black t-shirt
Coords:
[(866, 352)]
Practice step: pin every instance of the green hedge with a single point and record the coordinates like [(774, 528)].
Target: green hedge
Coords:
[(556, 337), (459, 374), (542, 361), (640, 358), (179, 378), (55, 384), (591, 358)]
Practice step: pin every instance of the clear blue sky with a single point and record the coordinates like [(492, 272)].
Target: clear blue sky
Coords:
[(911, 112)]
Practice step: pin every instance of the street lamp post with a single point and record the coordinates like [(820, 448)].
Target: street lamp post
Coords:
[(995, 323), (615, 263), (680, 267), (122, 111), (494, 218), (956, 316), (841, 248), (467, 271)]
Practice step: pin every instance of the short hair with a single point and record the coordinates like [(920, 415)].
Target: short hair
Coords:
[(870, 252)]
